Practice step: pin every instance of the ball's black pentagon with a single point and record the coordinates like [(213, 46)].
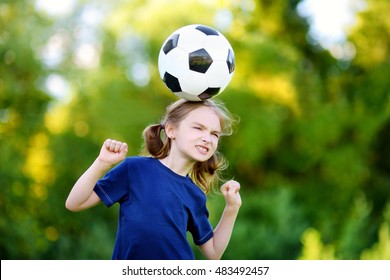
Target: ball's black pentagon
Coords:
[(172, 82), (200, 61), (171, 43), (207, 30), (208, 93), (230, 61)]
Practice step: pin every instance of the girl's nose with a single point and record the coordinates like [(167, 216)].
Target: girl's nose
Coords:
[(206, 138)]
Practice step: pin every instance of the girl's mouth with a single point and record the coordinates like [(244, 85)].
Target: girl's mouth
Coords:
[(202, 149)]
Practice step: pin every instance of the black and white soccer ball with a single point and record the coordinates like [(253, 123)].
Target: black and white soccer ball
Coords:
[(196, 62)]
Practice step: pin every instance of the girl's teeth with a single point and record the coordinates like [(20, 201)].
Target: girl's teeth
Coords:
[(202, 148)]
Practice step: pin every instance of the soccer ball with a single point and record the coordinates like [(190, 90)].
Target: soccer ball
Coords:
[(196, 62)]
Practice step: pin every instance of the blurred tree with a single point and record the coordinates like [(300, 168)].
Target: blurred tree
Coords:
[(381, 249), (367, 88), (313, 248), (22, 108)]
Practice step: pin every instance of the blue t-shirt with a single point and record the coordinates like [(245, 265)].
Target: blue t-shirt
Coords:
[(157, 208)]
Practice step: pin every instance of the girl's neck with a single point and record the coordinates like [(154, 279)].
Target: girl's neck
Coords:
[(180, 166)]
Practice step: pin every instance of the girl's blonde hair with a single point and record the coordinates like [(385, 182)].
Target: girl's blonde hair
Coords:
[(204, 174)]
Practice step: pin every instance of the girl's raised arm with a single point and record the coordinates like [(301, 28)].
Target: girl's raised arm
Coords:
[(82, 196), (216, 246)]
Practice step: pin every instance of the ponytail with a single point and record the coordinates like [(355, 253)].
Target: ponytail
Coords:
[(154, 144)]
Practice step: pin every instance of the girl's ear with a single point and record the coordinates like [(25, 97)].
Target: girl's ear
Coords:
[(169, 131)]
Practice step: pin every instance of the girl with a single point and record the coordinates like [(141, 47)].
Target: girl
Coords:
[(163, 196)]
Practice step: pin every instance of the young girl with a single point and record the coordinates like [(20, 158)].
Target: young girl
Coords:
[(163, 196)]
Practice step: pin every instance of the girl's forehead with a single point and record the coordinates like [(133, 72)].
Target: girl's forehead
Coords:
[(205, 116)]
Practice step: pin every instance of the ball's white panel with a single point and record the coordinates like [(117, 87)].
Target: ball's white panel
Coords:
[(218, 74), (193, 82), (191, 40), (176, 62), (217, 47), (162, 63), (227, 81)]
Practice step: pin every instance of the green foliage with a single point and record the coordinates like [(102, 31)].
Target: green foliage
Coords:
[(269, 226), (313, 248), (380, 250), (311, 151)]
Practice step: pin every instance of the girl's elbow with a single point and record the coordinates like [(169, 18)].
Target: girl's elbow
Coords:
[(212, 255), (71, 206)]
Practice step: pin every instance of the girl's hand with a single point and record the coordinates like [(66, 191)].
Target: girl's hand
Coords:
[(112, 152), (231, 192)]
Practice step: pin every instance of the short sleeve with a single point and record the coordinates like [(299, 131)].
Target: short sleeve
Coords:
[(113, 187), (200, 227)]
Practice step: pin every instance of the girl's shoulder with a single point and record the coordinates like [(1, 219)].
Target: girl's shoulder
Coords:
[(136, 164), (136, 160)]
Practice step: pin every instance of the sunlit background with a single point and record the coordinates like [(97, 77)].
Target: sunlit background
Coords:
[(311, 88)]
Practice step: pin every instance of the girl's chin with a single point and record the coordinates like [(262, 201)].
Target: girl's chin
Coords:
[(202, 158)]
